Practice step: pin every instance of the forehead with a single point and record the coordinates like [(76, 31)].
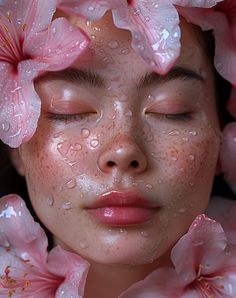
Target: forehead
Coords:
[(110, 48)]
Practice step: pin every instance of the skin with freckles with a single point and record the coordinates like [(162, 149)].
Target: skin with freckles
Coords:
[(110, 124)]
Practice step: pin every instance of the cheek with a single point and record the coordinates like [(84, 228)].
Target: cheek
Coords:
[(187, 158)]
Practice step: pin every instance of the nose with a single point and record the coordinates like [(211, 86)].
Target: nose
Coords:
[(123, 155)]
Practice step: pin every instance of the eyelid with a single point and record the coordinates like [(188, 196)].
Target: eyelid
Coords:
[(170, 107), (70, 107)]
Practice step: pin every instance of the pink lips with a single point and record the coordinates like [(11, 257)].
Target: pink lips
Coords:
[(122, 208)]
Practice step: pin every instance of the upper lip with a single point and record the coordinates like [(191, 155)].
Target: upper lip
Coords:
[(123, 199)]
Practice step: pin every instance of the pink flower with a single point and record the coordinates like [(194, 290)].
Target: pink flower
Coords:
[(154, 24), (30, 44), (205, 266), (26, 269), (222, 19)]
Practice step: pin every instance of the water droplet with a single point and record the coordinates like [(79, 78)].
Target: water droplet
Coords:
[(193, 132), (50, 201), (54, 30), (113, 44), (125, 51), (91, 8), (5, 126), (66, 205), (83, 243), (191, 157), (94, 143), (198, 242), (185, 139), (149, 186), (71, 183), (85, 133), (123, 231), (174, 132), (175, 158), (144, 234)]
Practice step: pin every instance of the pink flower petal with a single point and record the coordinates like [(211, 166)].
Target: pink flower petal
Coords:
[(20, 231), (203, 244), (222, 19), (90, 9), (26, 269), (227, 154), (196, 3), (74, 270), (163, 283), (154, 26), (20, 107), (64, 44)]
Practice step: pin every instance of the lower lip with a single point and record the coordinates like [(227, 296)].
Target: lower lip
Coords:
[(118, 216)]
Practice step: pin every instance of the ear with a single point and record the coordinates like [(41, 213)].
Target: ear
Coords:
[(16, 160)]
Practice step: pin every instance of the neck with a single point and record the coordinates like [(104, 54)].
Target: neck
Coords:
[(110, 281)]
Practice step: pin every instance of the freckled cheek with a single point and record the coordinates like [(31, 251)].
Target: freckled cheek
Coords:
[(187, 163)]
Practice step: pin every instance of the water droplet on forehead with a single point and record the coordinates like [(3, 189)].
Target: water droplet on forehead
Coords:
[(66, 205), (113, 44)]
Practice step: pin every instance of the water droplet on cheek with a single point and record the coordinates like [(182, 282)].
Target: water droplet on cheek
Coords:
[(50, 201), (149, 186), (191, 157), (66, 205), (83, 243), (85, 133), (174, 132), (71, 184), (144, 234), (94, 143)]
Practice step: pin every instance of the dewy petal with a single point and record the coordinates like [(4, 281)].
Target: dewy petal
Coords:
[(20, 107), (203, 244), (196, 3), (222, 20), (74, 270), (227, 154), (90, 9), (64, 44), (161, 283), (154, 26), (19, 231)]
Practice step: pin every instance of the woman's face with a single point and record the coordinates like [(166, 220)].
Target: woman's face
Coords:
[(123, 159)]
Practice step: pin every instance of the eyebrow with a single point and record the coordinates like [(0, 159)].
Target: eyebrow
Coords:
[(80, 76), (177, 72), (75, 75)]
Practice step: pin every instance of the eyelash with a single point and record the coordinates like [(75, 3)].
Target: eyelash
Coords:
[(179, 117), (68, 117)]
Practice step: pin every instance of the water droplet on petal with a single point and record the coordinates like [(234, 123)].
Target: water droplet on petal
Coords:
[(66, 205), (5, 126)]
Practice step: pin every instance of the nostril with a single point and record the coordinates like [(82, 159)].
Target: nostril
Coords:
[(134, 164), (111, 164)]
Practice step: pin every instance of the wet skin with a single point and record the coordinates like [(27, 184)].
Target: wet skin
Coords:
[(109, 124)]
